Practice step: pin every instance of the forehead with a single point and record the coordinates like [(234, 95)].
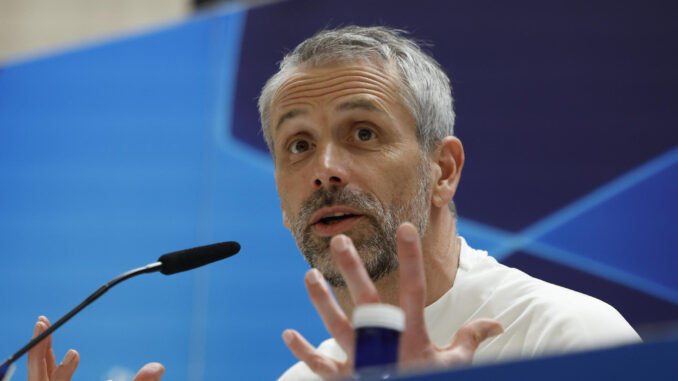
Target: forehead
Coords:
[(311, 86)]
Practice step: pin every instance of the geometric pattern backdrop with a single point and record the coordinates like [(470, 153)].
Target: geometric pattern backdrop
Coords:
[(114, 153), (568, 116)]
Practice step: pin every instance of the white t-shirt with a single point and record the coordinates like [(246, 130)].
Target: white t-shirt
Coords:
[(538, 317)]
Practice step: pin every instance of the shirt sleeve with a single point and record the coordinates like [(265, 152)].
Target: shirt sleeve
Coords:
[(580, 323)]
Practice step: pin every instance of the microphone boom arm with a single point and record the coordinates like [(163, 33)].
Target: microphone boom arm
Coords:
[(156, 266)]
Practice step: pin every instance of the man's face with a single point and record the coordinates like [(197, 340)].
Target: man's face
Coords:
[(347, 161)]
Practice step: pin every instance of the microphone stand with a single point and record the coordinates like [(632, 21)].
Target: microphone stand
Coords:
[(94, 296)]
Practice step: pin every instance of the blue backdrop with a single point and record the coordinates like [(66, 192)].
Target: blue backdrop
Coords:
[(115, 153)]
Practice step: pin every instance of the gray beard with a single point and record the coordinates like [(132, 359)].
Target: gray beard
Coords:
[(378, 250)]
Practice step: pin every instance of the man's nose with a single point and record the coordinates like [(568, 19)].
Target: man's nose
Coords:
[(331, 167)]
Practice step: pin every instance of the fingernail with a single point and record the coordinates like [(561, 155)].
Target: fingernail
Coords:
[(340, 243), (287, 336), (156, 367), (409, 233), (314, 276), (70, 356)]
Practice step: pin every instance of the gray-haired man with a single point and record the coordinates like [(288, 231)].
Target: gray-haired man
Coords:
[(360, 125), (359, 122)]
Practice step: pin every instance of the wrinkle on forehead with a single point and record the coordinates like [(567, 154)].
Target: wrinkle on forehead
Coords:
[(336, 82)]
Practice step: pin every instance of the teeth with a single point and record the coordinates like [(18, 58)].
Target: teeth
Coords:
[(338, 214)]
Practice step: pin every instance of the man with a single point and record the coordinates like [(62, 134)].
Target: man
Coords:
[(359, 122)]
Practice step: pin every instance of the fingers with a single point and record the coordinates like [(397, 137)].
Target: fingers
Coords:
[(412, 284), (331, 314), (320, 364), (350, 265), (37, 366), (50, 358), (150, 372), (65, 370), (50, 361), (469, 336), (42, 362)]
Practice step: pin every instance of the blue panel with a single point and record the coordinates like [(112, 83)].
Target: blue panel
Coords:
[(100, 164), (112, 155), (634, 230)]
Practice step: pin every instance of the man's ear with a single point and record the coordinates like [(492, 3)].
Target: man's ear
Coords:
[(448, 160)]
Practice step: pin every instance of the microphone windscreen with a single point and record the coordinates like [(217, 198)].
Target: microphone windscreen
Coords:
[(188, 259)]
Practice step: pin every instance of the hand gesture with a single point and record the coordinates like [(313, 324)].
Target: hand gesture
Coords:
[(42, 361), (416, 349)]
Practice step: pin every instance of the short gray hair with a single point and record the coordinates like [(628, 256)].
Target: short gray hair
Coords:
[(424, 86)]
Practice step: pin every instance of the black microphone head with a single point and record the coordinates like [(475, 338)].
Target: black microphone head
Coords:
[(188, 259)]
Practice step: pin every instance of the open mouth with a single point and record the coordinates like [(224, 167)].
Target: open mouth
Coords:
[(335, 222), (335, 218)]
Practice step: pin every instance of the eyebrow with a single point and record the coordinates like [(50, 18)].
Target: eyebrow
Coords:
[(363, 104), (289, 115)]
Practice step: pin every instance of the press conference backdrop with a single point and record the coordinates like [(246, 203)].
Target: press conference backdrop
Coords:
[(114, 153)]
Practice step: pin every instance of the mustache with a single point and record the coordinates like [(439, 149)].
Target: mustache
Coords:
[(333, 195)]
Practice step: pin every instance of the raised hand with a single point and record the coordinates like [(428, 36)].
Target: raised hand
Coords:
[(416, 348), (42, 361)]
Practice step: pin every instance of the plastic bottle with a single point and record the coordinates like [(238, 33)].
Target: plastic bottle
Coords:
[(378, 328)]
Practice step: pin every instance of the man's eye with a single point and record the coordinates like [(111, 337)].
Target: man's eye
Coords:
[(299, 146), (364, 134)]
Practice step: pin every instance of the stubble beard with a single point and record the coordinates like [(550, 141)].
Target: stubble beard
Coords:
[(377, 247)]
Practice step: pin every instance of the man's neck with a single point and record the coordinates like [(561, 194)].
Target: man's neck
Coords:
[(441, 249)]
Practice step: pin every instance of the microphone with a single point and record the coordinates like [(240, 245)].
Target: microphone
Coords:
[(170, 263), (189, 259)]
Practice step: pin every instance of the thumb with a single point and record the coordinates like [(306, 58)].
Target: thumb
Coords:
[(152, 371), (65, 370)]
